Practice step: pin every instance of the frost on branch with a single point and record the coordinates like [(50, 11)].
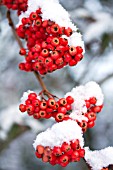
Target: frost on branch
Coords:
[(100, 158), (64, 142)]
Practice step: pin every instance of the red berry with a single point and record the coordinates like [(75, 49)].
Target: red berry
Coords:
[(93, 100), (72, 51), (40, 149), (51, 102), (38, 22), (91, 116), (83, 125), (55, 28), (68, 31), (43, 105), (91, 124), (55, 55), (38, 155), (79, 49), (87, 104), (72, 62), (36, 115), (57, 151), (97, 109), (22, 51), (62, 110), (33, 15), (55, 41), (22, 107), (32, 96), (81, 153), (67, 57), (59, 117), (63, 102), (63, 41), (44, 52), (70, 99), (47, 151), (65, 147), (75, 144), (45, 159), (48, 61), (42, 113), (30, 108), (64, 158)]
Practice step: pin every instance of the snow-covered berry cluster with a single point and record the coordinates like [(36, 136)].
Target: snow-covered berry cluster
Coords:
[(38, 107), (50, 45), (81, 105), (60, 147), (19, 5), (88, 101)]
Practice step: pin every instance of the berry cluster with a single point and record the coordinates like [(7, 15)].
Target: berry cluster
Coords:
[(20, 5), (92, 109), (68, 152), (47, 108), (47, 49)]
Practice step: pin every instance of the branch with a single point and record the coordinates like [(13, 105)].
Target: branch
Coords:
[(11, 24), (106, 78)]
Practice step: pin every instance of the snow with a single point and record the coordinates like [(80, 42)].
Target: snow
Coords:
[(60, 132), (55, 12), (82, 93), (99, 158), (99, 27), (25, 96)]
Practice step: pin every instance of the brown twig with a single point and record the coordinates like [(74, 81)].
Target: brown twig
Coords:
[(11, 24)]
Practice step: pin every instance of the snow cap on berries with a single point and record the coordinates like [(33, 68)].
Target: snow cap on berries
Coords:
[(82, 93), (99, 158), (65, 131), (55, 12), (25, 96)]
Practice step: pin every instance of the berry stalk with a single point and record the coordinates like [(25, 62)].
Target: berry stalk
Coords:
[(11, 24)]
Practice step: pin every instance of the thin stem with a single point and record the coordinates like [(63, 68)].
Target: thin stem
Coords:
[(11, 24)]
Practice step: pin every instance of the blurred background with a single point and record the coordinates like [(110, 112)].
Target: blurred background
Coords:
[(17, 131)]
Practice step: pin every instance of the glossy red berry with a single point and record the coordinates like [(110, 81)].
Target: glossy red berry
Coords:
[(22, 107), (51, 102), (63, 102), (69, 99), (72, 51), (93, 100), (57, 151), (55, 41), (59, 117), (55, 28), (42, 113), (68, 31), (40, 149), (22, 51), (81, 153)]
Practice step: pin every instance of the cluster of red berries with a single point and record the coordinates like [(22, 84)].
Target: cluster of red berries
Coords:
[(91, 114), (47, 108), (46, 50), (20, 5), (61, 155)]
